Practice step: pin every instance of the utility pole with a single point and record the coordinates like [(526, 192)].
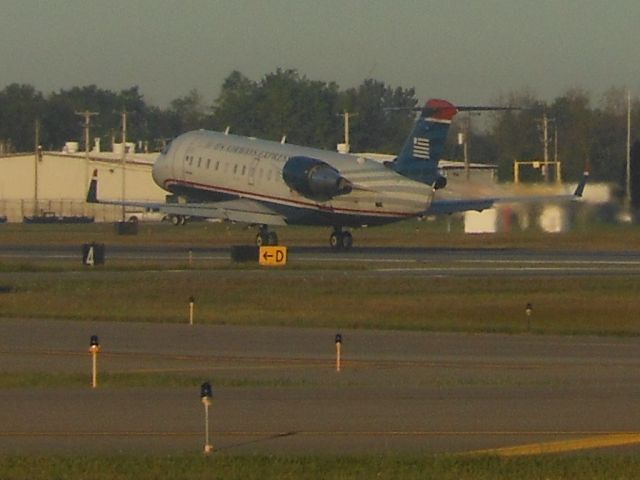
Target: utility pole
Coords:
[(124, 156), (346, 115), (467, 132), (36, 156), (555, 142), (628, 182), (86, 126), (545, 139), (463, 140)]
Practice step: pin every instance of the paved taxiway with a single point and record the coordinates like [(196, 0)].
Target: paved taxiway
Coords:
[(378, 260), (276, 390)]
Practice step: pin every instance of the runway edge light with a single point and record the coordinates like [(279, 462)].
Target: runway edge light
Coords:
[(94, 349), (192, 301), (206, 394), (528, 310)]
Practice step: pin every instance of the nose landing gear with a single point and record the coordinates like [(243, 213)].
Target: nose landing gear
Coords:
[(340, 240), (265, 237)]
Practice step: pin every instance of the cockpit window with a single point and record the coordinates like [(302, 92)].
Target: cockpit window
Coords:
[(166, 149)]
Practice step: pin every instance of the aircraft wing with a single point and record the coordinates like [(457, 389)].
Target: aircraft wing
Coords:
[(452, 205), (240, 210)]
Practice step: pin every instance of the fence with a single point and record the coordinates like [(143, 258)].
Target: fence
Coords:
[(16, 210)]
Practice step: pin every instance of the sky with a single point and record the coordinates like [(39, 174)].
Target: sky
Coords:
[(466, 51)]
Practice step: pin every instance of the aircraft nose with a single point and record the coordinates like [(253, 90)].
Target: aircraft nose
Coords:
[(159, 170)]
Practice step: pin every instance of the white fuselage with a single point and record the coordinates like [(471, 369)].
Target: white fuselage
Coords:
[(210, 166)]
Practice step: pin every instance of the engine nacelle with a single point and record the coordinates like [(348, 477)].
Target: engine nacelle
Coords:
[(314, 178), (440, 182)]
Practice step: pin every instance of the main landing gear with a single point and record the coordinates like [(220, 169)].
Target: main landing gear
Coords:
[(265, 237), (340, 240), (177, 220)]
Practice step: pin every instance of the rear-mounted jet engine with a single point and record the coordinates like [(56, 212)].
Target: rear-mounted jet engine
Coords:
[(314, 178)]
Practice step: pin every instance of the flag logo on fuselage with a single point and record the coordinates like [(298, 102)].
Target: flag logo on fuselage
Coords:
[(421, 148)]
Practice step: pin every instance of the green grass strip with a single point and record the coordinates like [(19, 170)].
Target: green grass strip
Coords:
[(245, 467)]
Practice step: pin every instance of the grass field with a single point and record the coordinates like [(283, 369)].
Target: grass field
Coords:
[(583, 467), (581, 305), (320, 295)]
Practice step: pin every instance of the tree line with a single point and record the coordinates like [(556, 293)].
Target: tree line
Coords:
[(581, 132)]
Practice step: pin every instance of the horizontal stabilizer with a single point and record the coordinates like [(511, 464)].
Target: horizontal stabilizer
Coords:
[(453, 205)]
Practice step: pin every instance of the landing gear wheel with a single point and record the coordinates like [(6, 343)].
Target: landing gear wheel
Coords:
[(336, 240), (266, 238), (272, 239), (262, 239), (340, 240), (347, 240)]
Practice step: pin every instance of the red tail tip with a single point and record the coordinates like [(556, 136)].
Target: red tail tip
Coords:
[(440, 109)]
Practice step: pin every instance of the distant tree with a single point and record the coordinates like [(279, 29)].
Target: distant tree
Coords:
[(292, 105), (608, 137), (20, 106), (62, 123), (190, 112), (573, 118), (235, 107), (283, 103), (162, 125), (516, 134), (384, 116)]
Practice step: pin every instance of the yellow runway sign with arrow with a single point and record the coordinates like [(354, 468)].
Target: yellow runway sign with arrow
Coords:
[(273, 256)]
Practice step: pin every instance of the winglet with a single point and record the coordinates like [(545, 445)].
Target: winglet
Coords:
[(580, 188), (92, 193)]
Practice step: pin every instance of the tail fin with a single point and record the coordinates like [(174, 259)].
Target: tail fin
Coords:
[(422, 150), (92, 193), (580, 187)]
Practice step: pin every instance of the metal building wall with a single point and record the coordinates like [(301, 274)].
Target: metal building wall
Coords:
[(62, 185)]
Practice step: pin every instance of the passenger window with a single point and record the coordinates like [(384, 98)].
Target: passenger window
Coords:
[(235, 169), (217, 165), (208, 163), (199, 161), (244, 169)]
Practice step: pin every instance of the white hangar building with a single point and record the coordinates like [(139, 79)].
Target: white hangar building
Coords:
[(57, 183)]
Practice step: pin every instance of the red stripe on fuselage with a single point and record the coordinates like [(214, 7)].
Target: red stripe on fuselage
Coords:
[(280, 200)]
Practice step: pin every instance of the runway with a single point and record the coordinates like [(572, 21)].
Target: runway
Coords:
[(375, 260), (276, 390)]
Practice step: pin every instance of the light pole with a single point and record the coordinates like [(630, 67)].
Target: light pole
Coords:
[(86, 126), (124, 155), (628, 182)]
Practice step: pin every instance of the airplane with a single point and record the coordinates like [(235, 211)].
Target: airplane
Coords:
[(270, 184)]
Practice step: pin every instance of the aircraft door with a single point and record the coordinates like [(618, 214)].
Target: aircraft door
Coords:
[(253, 168)]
